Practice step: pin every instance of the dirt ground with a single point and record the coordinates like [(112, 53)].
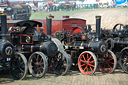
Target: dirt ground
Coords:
[(72, 78), (110, 17)]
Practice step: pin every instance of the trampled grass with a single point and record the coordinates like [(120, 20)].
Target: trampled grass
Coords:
[(56, 14), (59, 14)]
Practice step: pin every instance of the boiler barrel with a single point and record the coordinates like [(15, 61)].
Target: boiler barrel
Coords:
[(49, 48), (97, 47)]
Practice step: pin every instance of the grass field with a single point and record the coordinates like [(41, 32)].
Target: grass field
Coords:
[(110, 16), (59, 14)]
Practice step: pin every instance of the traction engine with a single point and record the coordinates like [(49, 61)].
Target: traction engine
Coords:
[(7, 49), (117, 40), (41, 51), (88, 50)]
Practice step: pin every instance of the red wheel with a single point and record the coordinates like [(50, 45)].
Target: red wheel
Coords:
[(87, 63), (108, 63)]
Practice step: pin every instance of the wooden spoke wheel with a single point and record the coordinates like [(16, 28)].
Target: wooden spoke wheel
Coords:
[(87, 63), (62, 63), (38, 64), (19, 66), (123, 60), (108, 62)]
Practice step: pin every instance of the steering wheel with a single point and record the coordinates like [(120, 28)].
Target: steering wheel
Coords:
[(118, 27), (118, 30)]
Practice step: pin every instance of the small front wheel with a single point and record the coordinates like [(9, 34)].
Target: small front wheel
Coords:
[(87, 63), (38, 64)]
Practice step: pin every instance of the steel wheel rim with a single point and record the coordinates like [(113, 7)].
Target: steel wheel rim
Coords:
[(61, 63), (37, 65), (87, 63), (108, 64), (40, 66), (123, 61), (19, 66)]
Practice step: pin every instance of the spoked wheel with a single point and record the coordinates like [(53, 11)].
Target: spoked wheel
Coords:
[(62, 63), (123, 60), (87, 63), (38, 64), (108, 62), (19, 66)]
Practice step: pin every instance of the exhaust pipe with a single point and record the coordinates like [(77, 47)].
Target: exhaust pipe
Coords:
[(49, 24), (6, 48), (3, 26), (98, 22)]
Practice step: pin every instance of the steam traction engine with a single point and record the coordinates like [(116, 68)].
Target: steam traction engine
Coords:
[(18, 12), (40, 50), (8, 57), (92, 50), (117, 40)]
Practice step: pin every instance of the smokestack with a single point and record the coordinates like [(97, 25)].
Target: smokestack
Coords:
[(3, 25), (49, 24), (98, 22)]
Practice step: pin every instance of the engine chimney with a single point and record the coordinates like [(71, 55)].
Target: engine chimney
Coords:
[(49, 24), (3, 26), (6, 48), (98, 22)]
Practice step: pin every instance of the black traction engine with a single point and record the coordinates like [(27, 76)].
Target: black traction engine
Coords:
[(87, 49), (40, 50), (117, 40)]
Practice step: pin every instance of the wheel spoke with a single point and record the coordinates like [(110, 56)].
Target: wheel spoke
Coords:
[(91, 68), (126, 68), (109, 66), (111, 62), (82, 65), (91, 65), (22, 70), (84, 57), (85, 68), (126, 52), (104, 66), (21, 63), (38, 72), (92, 61), (82, 60), (41, 60), (89, 58), (37, 58)]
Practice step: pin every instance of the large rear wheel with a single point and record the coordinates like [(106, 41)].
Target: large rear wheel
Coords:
[(87, 63), (62, 63), (123, 60), (19, 66), (38, 64), (108, 62)]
